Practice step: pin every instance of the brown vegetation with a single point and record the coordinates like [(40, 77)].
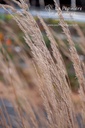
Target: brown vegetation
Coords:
[(43, 77)]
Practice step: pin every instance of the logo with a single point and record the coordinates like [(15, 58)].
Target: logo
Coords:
[(49, 8)]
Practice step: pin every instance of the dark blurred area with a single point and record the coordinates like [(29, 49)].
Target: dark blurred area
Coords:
[(42, 3)]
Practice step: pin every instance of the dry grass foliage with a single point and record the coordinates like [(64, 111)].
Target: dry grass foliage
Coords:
[(47, 71)]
